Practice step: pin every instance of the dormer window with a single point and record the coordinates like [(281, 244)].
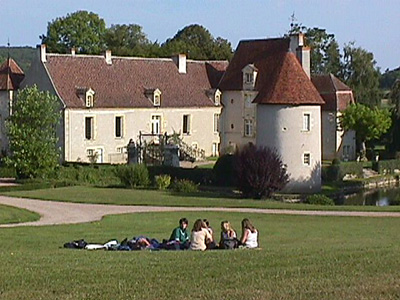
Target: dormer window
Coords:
[(87, 95), (154, 95), (249, 76), (215, 96)]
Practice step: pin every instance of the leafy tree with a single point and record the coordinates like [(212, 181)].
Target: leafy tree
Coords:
[(198, 43), (360, 73), (32, 133), (130, 40), (260, 171), (369, 123), (389, 77), (325, 53), (394, 144), (81, 30)]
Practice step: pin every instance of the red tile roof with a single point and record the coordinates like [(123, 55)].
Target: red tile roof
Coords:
[(11, 75), (336, 94), (124, 83), (280, 77)]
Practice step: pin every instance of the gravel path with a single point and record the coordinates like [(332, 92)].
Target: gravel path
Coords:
[(53, 212)]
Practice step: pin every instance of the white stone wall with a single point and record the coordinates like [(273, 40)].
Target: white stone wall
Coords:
[(134, 120), (4, 114), (334, 141), (235, 111), (281, 127)]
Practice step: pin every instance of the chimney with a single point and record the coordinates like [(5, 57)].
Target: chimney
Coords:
[(302, 52), (108, 57), (42, 52), (180, 61), (73, 51)]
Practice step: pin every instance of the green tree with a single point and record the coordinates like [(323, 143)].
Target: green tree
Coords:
[(394, 141), (360, 73), (198, 43), (368, 123), (325, 52), (130, 40), (32, 133), (81, 30)]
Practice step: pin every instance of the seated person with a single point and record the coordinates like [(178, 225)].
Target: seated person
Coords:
[(249, 237), (200, 237), (228, 236), (180, 235), (211, 245)]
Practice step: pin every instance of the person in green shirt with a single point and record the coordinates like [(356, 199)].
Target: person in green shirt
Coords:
[(180, 235)]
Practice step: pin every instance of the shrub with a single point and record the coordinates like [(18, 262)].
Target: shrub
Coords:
[(224, 170), (197, 175), (337, 170), (133, 176), (386, 166), (260, 171), (99, 175), (163, 181), (319, 199), (185, 186)]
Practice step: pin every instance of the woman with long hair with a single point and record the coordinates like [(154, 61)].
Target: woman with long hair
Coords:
[(200, 236), (249, 237), (228, 236)]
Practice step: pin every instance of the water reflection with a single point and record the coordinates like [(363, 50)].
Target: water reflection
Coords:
[(379, 197)]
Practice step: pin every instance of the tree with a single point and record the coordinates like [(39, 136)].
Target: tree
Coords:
[(394, 144), (325, 53), (130, 40), (368, 123), (360, 73), (32, 133), (81, 30), (198, 43), (260, 171)]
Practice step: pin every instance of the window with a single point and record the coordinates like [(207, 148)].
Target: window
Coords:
[(248, 127), (119, 126), (89, 100), (249, 77), (89, 128), (156, 124), (186, 124), (306, 122), (215, 149), (216, 122), (157, 100), (307, 159), (122, 149)]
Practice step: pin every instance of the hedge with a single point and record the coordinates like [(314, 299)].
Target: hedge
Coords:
[(337, 171), (386, 166), (197, 175)]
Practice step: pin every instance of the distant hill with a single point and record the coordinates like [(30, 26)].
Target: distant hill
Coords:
[(388, 78), (22, 55)]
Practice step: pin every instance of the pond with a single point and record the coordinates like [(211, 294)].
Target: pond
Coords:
[(377, 197)]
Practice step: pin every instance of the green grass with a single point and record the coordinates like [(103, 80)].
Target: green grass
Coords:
[(165, 198), (9, 214), (301, 258)]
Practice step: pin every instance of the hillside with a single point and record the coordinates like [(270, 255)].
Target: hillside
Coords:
[(22, 55)]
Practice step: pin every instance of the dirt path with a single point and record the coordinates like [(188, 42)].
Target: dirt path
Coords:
[(53, 212)]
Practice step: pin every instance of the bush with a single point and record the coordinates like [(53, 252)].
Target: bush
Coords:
[(386, 166), (337, 170), (197, 175), (99, 175), (132, 176), (319, 199), (185, 186), (224, 170), (260, 171), (163, 181)]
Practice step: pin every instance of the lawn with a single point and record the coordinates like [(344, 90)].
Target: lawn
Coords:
[(154, 197), (302, 257), (9, 214)]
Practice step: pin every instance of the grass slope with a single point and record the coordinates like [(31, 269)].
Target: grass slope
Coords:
[(10, 214), (152, 197), (301, 258)]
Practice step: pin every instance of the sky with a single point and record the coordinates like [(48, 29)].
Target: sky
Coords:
[(373, 25)]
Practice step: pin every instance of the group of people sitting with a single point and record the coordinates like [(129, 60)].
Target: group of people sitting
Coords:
[(200, 238)]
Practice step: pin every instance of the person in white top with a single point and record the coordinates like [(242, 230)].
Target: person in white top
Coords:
[(249, 237), (200, 236)]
